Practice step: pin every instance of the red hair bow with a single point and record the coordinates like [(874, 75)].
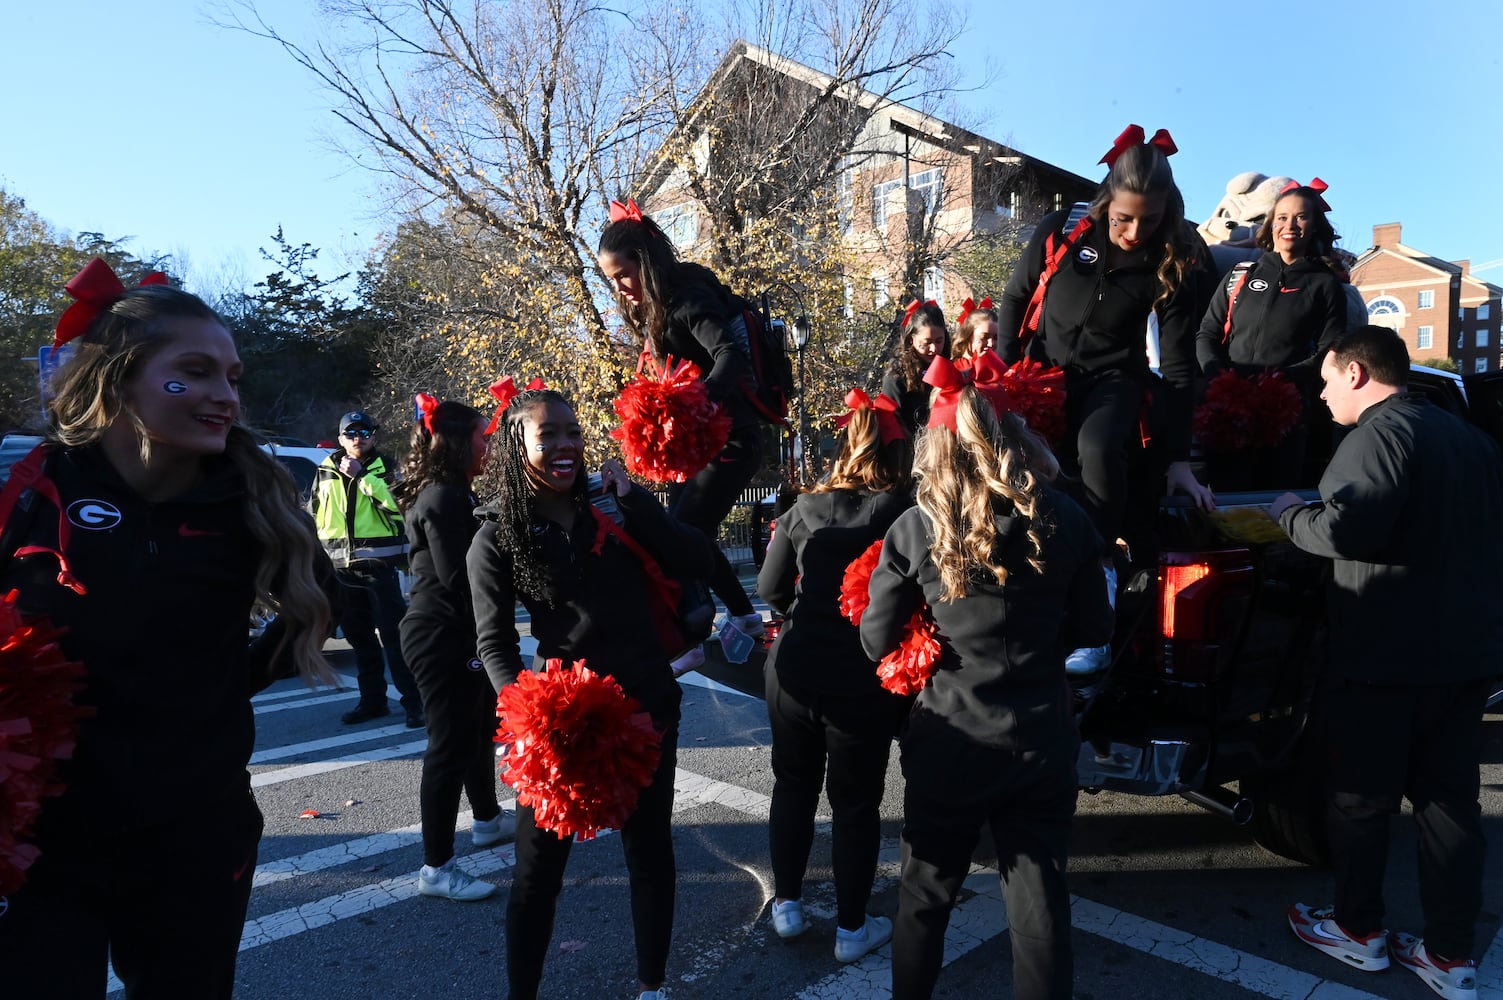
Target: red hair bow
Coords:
[(1316, 185), (969, 306), (628, 211), (96, 288), (914, 307), (950, 381), (988, 373), (505, 390), (1133, 136), (425, 404), (889, 427)]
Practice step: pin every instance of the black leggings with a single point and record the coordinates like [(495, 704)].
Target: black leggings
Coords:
[(646, 839), (1103, 411), (166, 904), (704, 501), (460, 706), (855, 735)]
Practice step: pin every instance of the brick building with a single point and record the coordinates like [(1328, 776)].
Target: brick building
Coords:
[(911, 188), (1439, 307)]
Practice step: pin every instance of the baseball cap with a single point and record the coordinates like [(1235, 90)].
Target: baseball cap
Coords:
[(357, 418)]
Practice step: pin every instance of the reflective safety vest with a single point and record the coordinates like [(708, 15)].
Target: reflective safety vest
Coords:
[(358, 518)]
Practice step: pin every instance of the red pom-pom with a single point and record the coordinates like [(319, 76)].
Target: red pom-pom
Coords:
[(670, 428), (908, 668), (1247, 413), (38, 728), (853, 596), (1038, 393), (581, 750)]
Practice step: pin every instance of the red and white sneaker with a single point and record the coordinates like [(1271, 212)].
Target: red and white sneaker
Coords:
[(1452, 980), (1317, 927)]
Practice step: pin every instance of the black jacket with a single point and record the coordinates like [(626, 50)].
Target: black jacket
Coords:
[(1096, 319), (600, 613), (701, 328), (1001, 676), (440, 525), (162, 633), (913, 404), (1409, 510), (818, 651), (1284, 314)]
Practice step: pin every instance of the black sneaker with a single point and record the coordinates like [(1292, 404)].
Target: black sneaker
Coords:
[(415, 719), (364, 713)]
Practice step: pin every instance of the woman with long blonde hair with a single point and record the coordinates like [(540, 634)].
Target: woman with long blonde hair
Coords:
[(832, 723), (1010, 569), (155, 525)]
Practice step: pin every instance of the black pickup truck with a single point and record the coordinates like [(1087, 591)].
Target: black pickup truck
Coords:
[(1217, 655)]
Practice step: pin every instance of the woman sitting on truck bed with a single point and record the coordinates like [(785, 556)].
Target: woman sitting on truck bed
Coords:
[(1278, 313)]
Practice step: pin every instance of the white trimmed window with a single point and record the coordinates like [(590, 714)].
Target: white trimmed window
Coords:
[(1427, 299), (850, 300), (930, 184), (881, 294), (1426, 338), (1484, 310), (880, 193), (1481, 365), (934, 285), (845, 197), (680, 224), (1481, 338)]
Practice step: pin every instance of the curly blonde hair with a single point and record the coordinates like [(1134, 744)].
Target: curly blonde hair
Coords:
[(90, 397), (863, 463), (962, 473)]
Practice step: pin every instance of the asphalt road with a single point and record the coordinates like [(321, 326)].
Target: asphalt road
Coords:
[(1172, 903)]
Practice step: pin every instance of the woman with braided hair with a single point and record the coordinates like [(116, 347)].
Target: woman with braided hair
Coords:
[(1010, 569), (590, 598)]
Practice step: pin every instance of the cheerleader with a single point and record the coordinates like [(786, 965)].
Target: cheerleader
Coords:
[(924, 338)]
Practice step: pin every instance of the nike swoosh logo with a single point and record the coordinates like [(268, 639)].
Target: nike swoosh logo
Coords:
[(1318, 928), (188, 532), (1286, 291)]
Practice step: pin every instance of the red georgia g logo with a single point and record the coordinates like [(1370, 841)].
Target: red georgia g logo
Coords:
[(94, 515)]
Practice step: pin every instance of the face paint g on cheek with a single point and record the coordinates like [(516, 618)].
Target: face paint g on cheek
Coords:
[(175, 388)]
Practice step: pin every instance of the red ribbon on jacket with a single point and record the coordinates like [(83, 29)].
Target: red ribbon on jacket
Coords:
[(628, 211), (1317, 186), (914, 307), (969, 306), (889, 427), (505, 390), (426, 404), (96, 288), (1133, 136)]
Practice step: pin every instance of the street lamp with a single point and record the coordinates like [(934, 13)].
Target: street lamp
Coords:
[(801, 331)]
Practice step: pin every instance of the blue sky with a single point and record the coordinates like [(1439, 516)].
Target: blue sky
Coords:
[(199, 141)]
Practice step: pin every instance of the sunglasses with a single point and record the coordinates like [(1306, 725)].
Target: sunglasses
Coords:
[(357, 434)]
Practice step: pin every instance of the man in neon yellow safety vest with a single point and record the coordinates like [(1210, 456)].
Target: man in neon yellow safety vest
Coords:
[(361, 529)]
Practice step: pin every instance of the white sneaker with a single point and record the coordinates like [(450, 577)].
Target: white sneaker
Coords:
[(852, 945), (448, 882), (489, 832), (751, 624), (652, 995), (788, 918), (691, 660), (1088, 660)]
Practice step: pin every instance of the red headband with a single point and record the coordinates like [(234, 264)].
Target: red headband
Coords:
[(1316, 186), (1133, 136), (914, 307), (628, 211), (969, 306), (96, 288), (505, 390), (889, 427), (426, 404)]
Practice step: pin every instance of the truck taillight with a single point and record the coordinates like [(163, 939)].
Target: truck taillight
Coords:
[(1191, 585)]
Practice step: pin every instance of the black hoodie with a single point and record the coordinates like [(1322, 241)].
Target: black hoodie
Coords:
[(1284, 314), (1095, 318), (818, 651), (701, 314), (600, 611), (162, 632), (1001, 675)]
